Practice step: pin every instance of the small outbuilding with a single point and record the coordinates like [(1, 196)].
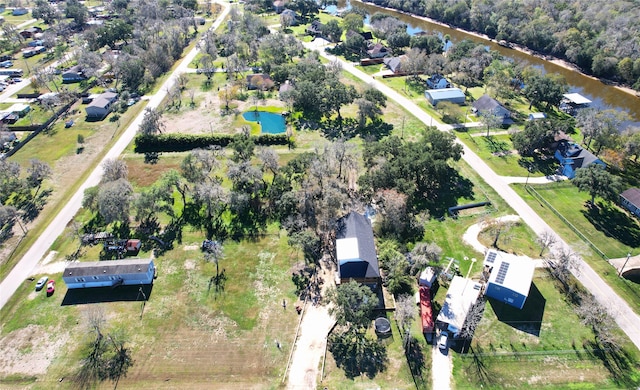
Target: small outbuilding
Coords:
[(630, 199), (109, 273), (510, 278), (453, 95), (536, 116), (572, 102), (437, 81)]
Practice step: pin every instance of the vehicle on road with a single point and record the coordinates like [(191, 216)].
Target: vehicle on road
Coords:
[(51, 287), (41, 282), (443, 340)]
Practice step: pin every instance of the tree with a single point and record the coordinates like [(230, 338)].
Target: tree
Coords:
[(114, 199), (601, 127), (632, 144), (424, 255), (334, 95), (536, 136), (332, 30), (415, 63), (561, 263), (76, 11), (398, 40), (370, 106), (497, 229), (597, 181), (43, 10), (396, 278), (151, 122), (352, 305), (114, 169), (213, 253), (405, 311), (491, 119), (352, 22), (8, 218), (546, 239)]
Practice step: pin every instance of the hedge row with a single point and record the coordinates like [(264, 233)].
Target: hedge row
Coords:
[(176, 142)]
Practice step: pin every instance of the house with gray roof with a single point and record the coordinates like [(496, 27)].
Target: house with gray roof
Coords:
[(486, 105), (572, 157), (100, 106), (109, 273), (395, 63), (630, 199), (356, 251)]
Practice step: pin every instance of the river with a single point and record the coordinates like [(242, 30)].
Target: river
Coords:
[(602, 95)]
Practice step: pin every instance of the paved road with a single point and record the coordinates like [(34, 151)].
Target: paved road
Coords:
[(25, 266), (626, 319)]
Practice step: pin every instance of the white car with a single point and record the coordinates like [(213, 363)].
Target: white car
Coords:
[(443, 340), (41, 282)]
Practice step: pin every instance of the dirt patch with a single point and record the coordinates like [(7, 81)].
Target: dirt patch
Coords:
[(189, 264), (30, 350)]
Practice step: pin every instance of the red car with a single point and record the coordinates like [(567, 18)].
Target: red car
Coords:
[(51, 287)]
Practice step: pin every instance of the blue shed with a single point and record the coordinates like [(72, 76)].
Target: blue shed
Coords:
[(453, 95), (510, 278)]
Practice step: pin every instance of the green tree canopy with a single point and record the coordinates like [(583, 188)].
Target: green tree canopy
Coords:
[(597, 181), (353, 305)]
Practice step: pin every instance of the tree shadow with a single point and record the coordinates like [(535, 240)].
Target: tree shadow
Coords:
[(617, 361), (496, 147), (452, 188), (541, 163), (356, 354), (477, 368), (529, 318), (614, 223), (416, 361)]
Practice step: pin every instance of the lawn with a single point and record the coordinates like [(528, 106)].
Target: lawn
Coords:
[(396, 373), (188, 335), (498, 152), (544, 345), (566, 198)]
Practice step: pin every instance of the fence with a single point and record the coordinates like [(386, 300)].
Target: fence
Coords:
[(540, 198)]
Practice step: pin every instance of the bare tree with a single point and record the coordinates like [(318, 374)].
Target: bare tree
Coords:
[(152, 122), (546, 240), (405, 312), (114, 169), (423, 255), (498, 229), (561, 263)]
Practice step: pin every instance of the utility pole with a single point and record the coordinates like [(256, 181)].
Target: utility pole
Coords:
[(625, 264)]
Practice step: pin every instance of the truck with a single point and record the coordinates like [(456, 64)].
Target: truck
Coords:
[(426, 312)]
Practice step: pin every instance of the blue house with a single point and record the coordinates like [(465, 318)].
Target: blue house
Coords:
[(453, 95), (109, 273), (510, 278), (356, 251), (73, 75), (631, 200), (572, 156)]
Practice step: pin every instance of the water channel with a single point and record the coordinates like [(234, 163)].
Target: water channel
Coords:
[(602, 95)]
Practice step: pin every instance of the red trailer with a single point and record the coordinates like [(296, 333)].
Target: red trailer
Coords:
[(426, 313)]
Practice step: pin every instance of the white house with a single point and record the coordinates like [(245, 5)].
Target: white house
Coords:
[(99, 107), (510, 278), (461, 295), (109, 273)]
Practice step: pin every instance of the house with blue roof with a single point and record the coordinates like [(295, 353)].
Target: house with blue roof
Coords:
[(356, 251), (572, 157)]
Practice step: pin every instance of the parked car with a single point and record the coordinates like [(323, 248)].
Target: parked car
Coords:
[(443, 340), (51, 287), (41, 282), (6, 64)]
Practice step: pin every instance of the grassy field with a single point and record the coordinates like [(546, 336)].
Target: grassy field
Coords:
[(544, 345), (187, 334), (571, 202)]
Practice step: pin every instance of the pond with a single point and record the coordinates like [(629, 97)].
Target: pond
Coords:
[(269, 122)]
